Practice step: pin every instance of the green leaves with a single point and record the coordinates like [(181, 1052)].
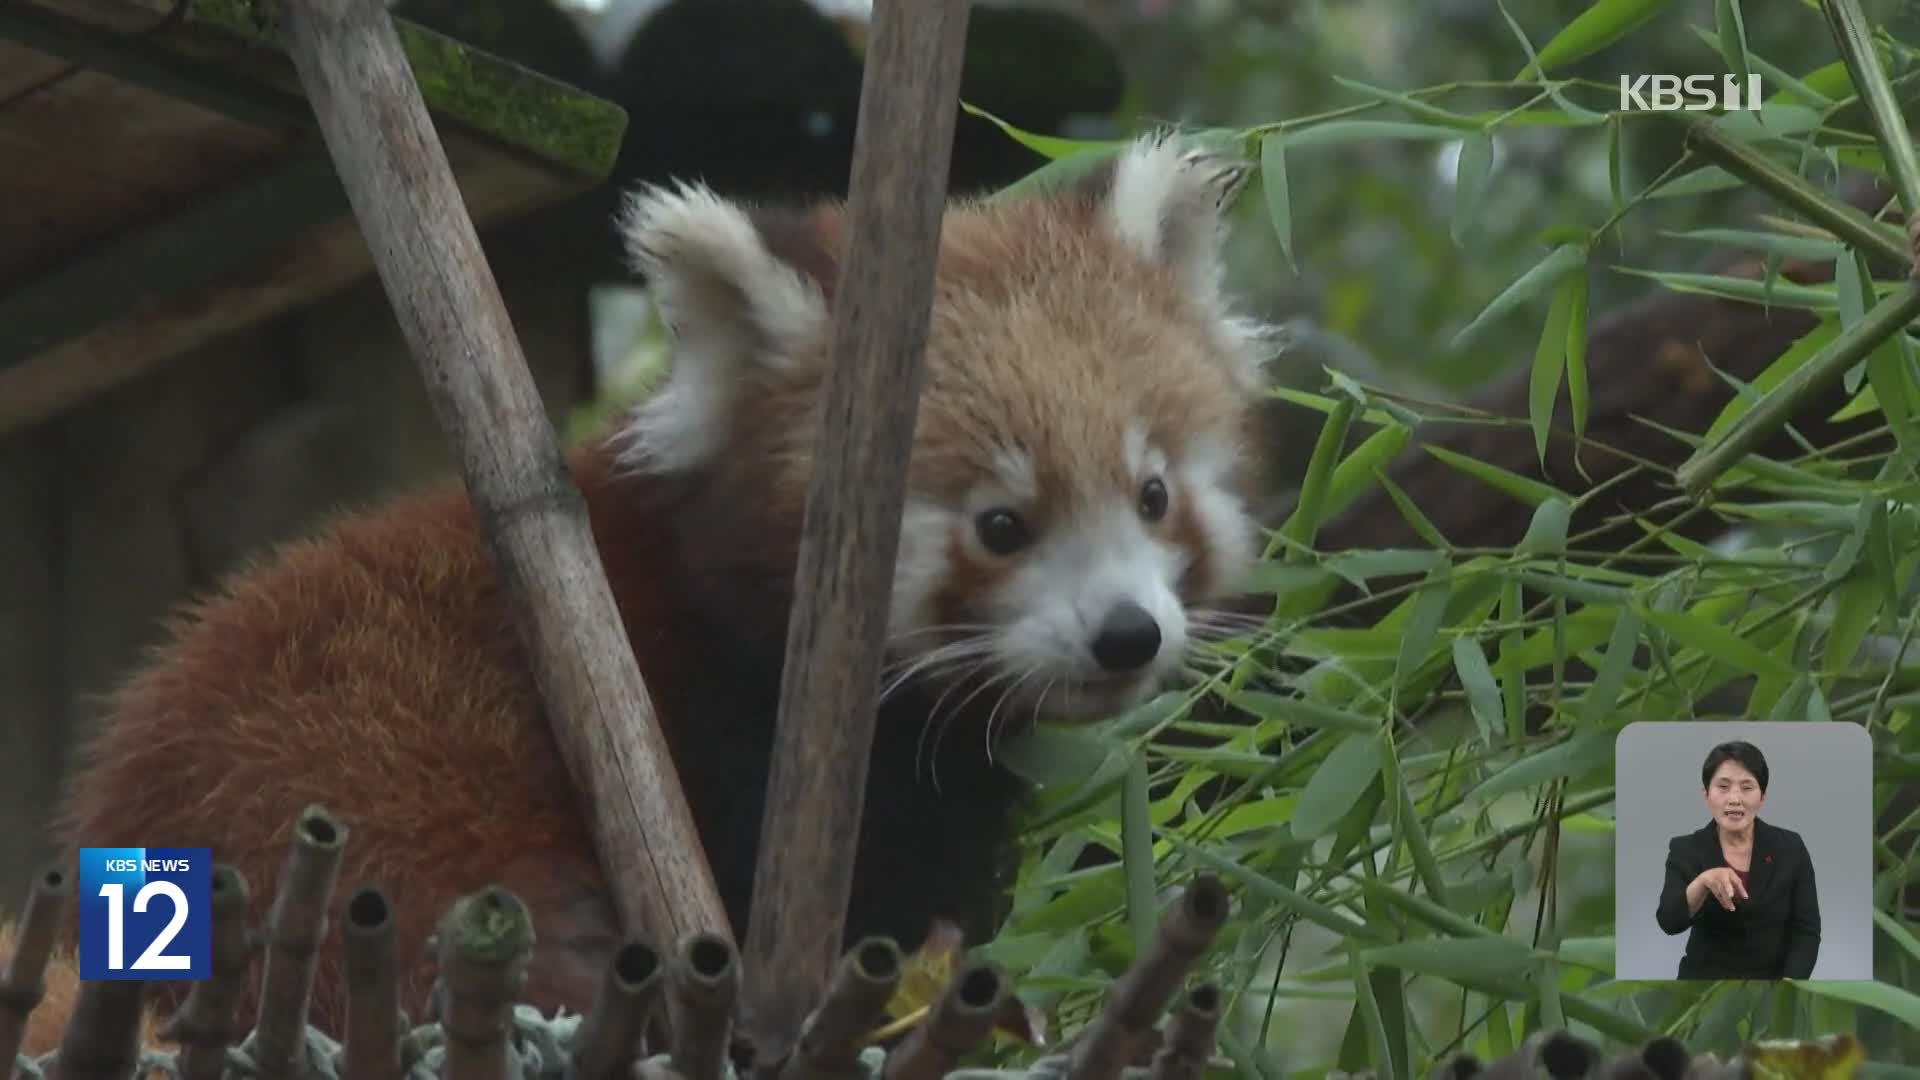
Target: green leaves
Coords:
[(1562, 348), (1273, 180), (1543, 275), (1602, 24), (1336, 785)]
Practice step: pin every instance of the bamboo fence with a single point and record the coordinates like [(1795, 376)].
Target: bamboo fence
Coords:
[(479, 1030)]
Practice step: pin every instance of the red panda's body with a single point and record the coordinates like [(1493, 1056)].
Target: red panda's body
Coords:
[(1074, 496), (376, 672)]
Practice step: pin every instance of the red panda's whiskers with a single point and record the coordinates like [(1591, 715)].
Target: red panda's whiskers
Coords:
[(937, 659), (938, 721), (987, 735)]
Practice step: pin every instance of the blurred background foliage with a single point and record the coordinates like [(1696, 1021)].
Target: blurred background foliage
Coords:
[(1375, 261)]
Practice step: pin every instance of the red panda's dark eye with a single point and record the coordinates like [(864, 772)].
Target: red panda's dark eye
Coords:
[(1153, 499), (1001, 531)]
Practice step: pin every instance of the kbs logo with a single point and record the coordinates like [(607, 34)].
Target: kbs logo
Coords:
[(143, 913), (1694, 93)]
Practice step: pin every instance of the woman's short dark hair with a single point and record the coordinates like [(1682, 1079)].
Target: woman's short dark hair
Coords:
[(1741, 751)]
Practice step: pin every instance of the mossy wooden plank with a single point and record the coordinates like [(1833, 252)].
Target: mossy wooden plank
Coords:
[(310, 263), (489, 97), (137, 121)]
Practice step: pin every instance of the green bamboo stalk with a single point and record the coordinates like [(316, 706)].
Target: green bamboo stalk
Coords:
[(1780, 404), (1855, 39), (1791, 190)]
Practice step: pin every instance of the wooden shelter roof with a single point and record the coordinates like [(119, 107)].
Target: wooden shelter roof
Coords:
[(162, 182)]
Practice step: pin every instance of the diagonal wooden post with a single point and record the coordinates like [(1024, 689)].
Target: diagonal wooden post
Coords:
[(423, 242), (903, 145)]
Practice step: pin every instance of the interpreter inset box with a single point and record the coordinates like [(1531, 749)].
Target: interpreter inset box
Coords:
[(1743, 850)]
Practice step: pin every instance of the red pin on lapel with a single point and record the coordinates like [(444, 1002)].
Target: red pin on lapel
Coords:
[(1769, 858)]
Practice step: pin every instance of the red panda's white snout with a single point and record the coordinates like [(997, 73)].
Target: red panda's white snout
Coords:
[(1074, 604)]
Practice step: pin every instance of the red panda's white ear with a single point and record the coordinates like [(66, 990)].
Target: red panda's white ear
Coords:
[(734, 308), (1167, 201)]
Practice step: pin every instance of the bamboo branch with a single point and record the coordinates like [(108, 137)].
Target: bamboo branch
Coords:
[(402, 191), (609, 1037), (296, 926), (829, 1042), (1789, 397), (1847, 223), (374, 1026), (960, 1021), (484, 944), (22, 981), (1855, 39), (702, 991), (102, 1040), (1139, 997), (204, 1027), (1190, 1038), (903, 145)]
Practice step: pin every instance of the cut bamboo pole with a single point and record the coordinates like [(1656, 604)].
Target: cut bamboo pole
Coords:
[(903, 144), (402, 191), (23, 976)]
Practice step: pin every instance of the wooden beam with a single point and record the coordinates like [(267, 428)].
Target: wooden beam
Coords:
[(350, 61), (135, 59), (255, 219), (903, 143), (309, 265)]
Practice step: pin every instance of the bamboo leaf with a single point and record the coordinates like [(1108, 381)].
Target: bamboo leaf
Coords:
[(1527, 490), (1544, 274), (1335, 132), (1280, 896), (1718, 642), (1775, 373), (1547, 530), (1602, 24), (1367, 1008), (1701, 181), (1484, 957), (1549, 360), (1423, 624), (1412, 105), (1304, 522), (1577, 355), (1136, 847), (1470, 177), (1779, 294), (1733, 35), (1784, 245), (1483, 694), (1604, 693), (1302, 711), (1336, 785), (1047, 146), (1273, 181), (1902, 1005), (1583, 752), (1856, 604), (1616, 167), (1409, 512), (1357, 469)]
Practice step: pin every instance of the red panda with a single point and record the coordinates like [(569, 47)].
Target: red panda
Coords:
[(1076, 499)]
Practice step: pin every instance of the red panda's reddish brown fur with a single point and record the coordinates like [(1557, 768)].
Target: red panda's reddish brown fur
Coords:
[(1077, 344)]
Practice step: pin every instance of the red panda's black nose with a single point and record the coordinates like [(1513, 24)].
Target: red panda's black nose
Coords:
[(1128, 638)]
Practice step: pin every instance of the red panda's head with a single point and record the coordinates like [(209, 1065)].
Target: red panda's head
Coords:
[(1076, 484)]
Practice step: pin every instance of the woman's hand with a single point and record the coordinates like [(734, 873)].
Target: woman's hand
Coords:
[(1721, 883)]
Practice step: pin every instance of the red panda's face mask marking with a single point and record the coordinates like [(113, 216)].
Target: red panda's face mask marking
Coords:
[(1074, 496)]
